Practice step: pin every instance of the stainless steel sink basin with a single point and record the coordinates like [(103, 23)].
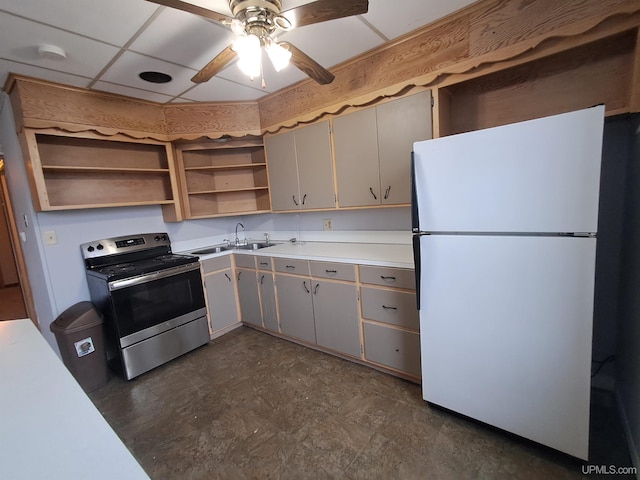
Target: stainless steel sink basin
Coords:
[(207, 250), (255, 245)]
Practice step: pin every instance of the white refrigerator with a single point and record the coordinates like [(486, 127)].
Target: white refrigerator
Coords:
[(505, 223)]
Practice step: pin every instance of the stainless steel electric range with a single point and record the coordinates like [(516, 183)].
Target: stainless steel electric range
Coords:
[(152, 300)]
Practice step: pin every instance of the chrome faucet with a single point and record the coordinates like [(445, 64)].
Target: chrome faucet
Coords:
[(237, 239)]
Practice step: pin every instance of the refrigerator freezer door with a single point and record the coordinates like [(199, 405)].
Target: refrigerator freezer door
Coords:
[(505, 329), (541, 175)]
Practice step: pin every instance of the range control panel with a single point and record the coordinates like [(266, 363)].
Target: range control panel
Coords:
[(118, 245)]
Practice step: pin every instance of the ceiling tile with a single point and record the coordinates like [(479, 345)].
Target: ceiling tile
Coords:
[(183, 38), (125, 70), (20, 40), (397, 18), (112, 21), (221, 90), (132, 92), (7, 66)]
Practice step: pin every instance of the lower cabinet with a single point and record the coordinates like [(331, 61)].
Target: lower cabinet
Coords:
[(393, 347), (220, 290), (335, 307), (295, 306), (267, 289), (248, 296)]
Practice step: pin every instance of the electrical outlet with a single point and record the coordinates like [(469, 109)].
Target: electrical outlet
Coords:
[(328, 224), (50, 237)]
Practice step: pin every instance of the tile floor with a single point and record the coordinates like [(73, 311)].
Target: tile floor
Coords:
[(249, 405)]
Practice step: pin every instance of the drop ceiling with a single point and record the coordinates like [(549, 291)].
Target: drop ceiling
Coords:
[(109, 43)]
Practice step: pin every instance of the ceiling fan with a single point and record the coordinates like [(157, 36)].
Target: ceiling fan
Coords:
[(255, 22)]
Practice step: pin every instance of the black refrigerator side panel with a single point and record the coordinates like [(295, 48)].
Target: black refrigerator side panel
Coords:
[(415, 223), (417, 260)]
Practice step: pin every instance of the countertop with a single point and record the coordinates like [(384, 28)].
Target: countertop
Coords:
[(378, 254), (48, 426), (386, 255)]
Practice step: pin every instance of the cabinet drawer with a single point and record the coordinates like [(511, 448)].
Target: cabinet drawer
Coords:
[(392, 347), (264, 263), (390, 306), (335, 271), (245, 261), (290, 265), (214, 264), (389, 277)]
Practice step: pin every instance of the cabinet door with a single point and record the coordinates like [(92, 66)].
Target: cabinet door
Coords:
[(248, 295), (315, 171), (268, 301), (283, 171), (395, 348), (295, 306), (400, 123), (221, 299), (356, 152), (335, 307)]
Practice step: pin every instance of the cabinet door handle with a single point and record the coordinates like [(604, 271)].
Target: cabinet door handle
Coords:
[(262, 280), (388, 279), (387, 191), (315, 290), (294, 200), (239, 275), (331, 272), (389, 308), (304, 198), (228, 277), (372, 193), (304, 284)]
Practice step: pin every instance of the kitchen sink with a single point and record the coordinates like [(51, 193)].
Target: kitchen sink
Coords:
[(221, 248), (207, 250), (254, 245)]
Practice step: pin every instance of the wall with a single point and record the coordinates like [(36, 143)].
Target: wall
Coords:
[(57, 272), (628, 354)]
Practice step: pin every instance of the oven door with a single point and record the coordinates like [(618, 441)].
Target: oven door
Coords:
[(153, 303)]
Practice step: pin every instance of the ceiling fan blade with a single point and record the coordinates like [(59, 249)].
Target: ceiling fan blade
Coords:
[(214, 66), (308, 65), (195, 9), (323, 10)]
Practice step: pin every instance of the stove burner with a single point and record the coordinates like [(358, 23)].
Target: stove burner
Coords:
[(166, 258), (120, 268)]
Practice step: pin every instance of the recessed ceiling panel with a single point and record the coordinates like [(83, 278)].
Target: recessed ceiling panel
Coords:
[(125, 71), (397, 18), (21, 38), (183, 38), (112, 21)]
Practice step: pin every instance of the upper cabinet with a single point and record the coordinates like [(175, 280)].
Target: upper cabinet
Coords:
[(300, 168), (76, 171), (223, 177), (373, 150)]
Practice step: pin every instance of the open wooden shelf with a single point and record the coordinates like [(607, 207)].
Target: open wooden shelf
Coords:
[(223, 178), (91, 171)]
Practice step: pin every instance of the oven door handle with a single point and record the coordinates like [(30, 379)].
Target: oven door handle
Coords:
[(150, 277)]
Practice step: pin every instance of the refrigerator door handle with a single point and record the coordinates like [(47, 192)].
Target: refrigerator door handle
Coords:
[(417, 260)]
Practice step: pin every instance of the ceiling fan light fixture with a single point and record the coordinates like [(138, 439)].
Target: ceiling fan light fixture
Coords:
[(249, 52), (278, 55)]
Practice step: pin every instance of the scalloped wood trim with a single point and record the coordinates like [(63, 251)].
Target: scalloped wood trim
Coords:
[(544, 45)]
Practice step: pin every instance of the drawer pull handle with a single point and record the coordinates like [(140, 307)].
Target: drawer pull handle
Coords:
[(264, 263), (331, 272), (389, 308), (290, 267), (388, 279), (228, 277), (304, 284)]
